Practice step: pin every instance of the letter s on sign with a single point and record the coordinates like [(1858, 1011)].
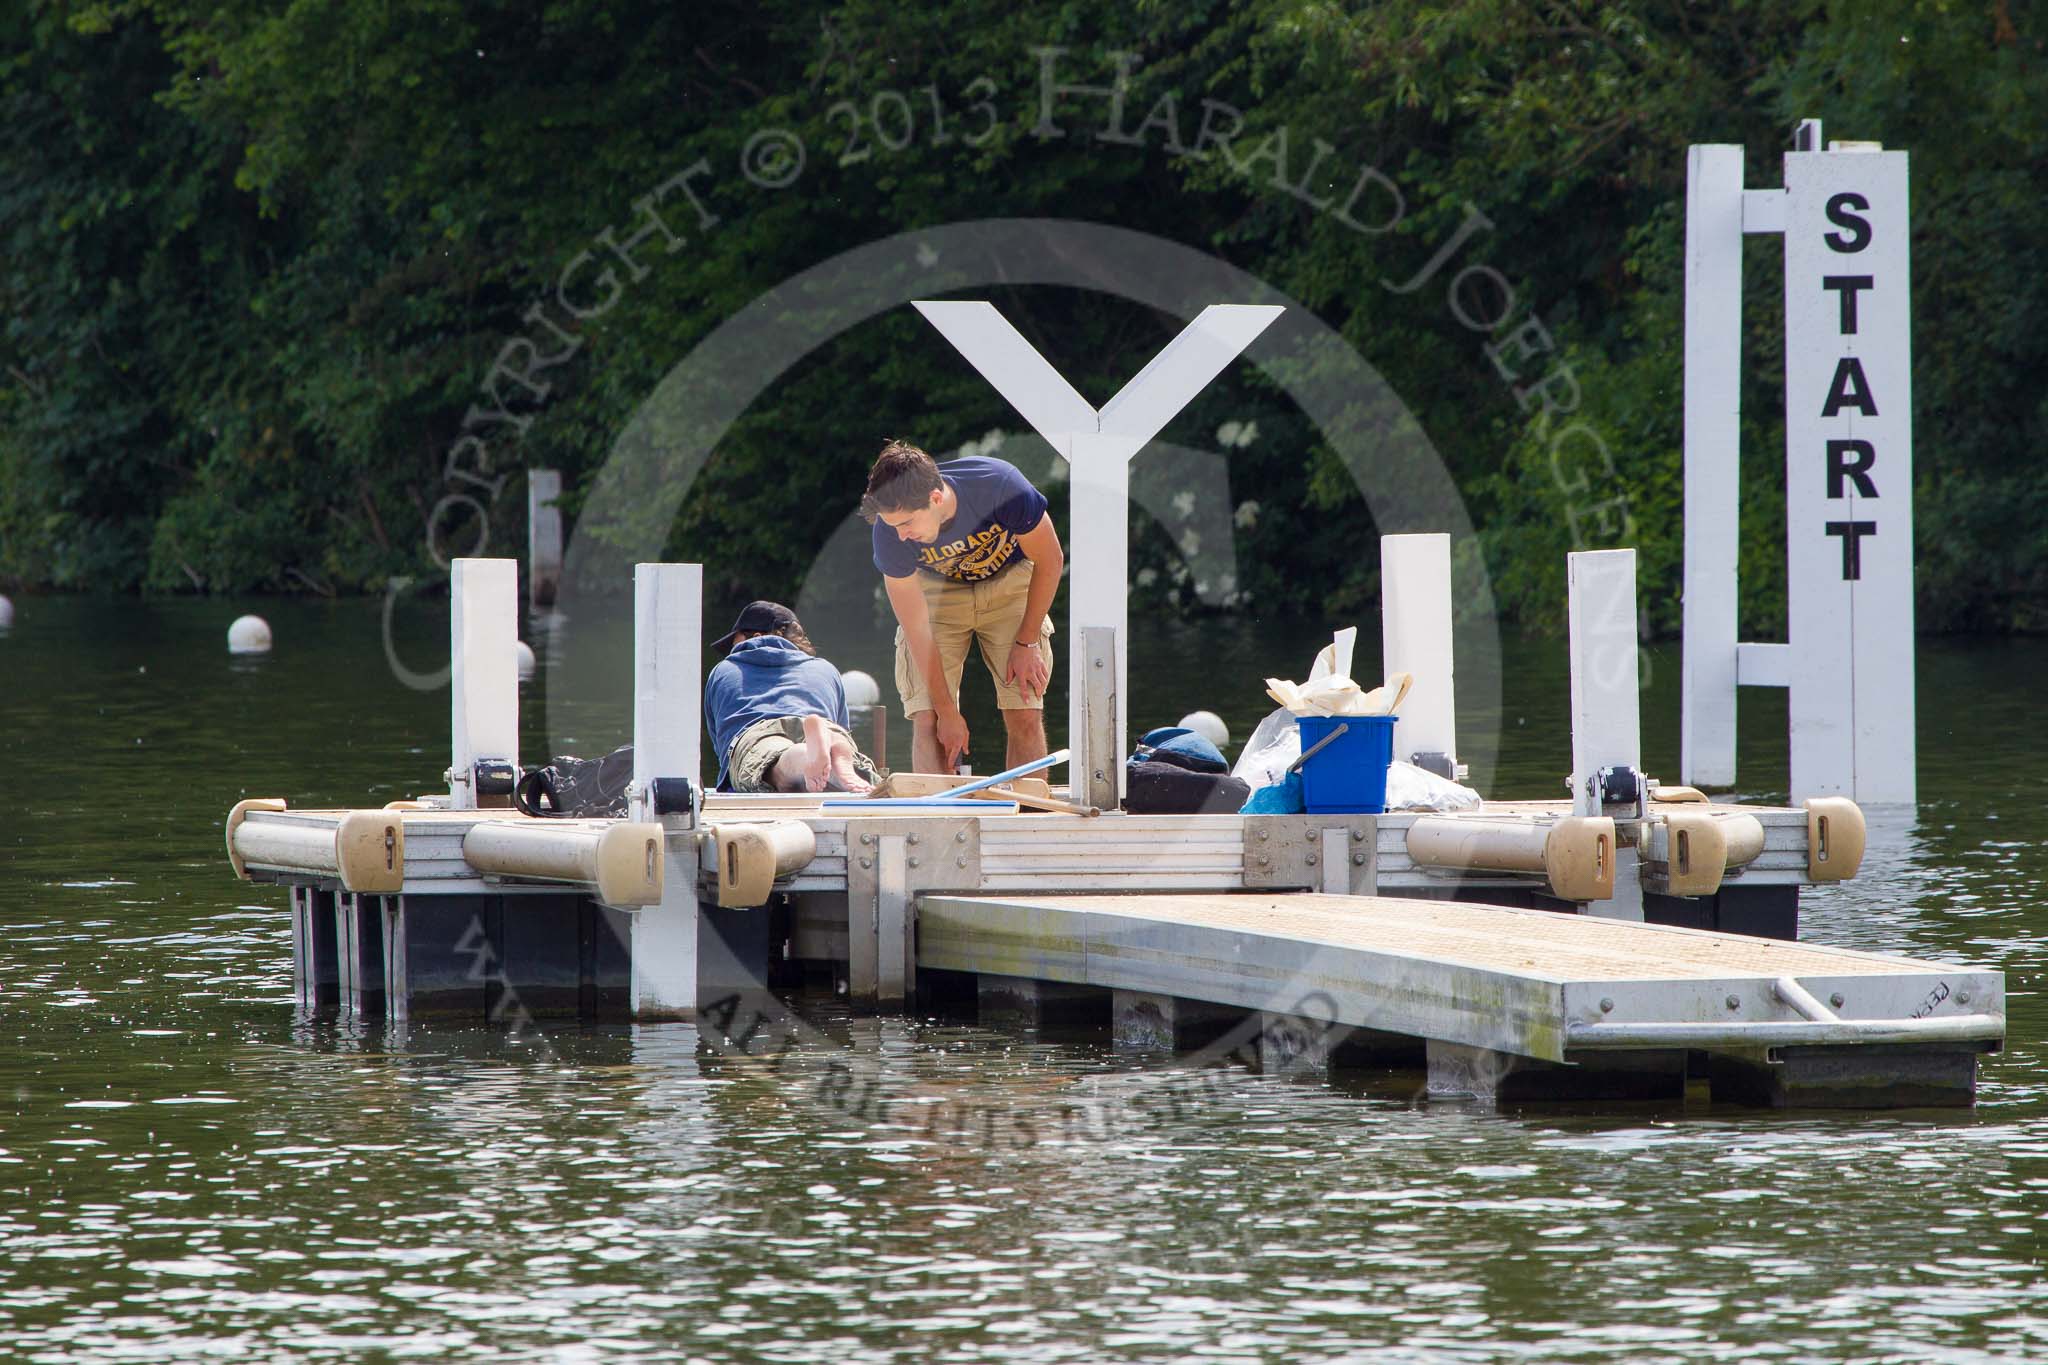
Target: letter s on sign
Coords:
[(1858, 229)]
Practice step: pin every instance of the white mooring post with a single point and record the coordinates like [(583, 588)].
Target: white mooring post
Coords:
[(1415, 638), (1098, 447), (1713, 420), (668, 679), (1848, 657), (543, 536), (1605, 695), (483, 628)]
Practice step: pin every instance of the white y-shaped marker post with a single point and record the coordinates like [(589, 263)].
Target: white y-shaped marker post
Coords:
[(1098, 447)]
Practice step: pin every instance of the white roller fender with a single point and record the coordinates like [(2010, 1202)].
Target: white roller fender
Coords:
[(621, 862), (365, 851), (1575, 854), (1835, 835), (1695, 852), (1500, 845), (235, 818), (369, 851), (288, 848), (1745, 837), (1578, 858), (751, 856)]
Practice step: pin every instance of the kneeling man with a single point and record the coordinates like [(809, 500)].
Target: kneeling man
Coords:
[(777, 712)]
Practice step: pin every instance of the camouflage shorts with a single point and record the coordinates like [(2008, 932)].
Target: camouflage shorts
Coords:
[(757, 748)]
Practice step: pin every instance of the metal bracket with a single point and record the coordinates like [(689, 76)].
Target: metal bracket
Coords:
[(940, 853), (889, 863), (1097, 776), (1330, 853)]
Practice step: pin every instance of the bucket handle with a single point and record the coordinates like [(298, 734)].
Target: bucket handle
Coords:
[(1325, 742)]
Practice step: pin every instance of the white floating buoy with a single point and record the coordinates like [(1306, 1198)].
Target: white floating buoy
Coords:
[(524, 653), (1208, 725), (6, 613), (249, 635), (861, 690)]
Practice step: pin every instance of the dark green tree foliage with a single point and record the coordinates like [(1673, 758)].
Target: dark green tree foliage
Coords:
[(262, 260)]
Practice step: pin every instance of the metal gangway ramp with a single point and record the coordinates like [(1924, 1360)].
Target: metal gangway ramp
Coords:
[(1506, 1003)]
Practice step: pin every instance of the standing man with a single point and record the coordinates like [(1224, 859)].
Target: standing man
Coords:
[(952, 543)]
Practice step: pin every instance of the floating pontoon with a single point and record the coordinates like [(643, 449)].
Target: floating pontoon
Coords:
[(1560, 949)]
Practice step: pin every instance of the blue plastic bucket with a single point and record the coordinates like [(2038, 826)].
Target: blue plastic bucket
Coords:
[(1349, 776)]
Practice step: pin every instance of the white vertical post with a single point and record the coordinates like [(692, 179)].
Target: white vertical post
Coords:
[(1415, 638), (668, 611), (668, 676), (483, 629), (1605, 698), (543, 536), (1849, 475), (1098, 447), (1098, 593), (1713, 419)]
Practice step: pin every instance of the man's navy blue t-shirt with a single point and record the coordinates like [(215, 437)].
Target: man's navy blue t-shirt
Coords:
[(996, 505)]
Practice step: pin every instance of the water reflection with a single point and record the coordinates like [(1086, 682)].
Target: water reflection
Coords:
[(186, 1171)]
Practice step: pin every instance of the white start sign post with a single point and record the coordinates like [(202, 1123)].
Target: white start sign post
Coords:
[(1848, 657)]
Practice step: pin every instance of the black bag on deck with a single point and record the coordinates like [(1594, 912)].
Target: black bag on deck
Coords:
[(1155, 788), (578, 788)]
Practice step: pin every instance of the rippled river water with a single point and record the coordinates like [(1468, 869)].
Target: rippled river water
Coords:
[(187, 1172)]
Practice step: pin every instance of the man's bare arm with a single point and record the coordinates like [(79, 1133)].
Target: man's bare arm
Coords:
[(906, 598), (1028, 667), (1041, 545)]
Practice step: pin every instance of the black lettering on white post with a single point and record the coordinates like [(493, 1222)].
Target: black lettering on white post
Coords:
[(1856, 227), (1847, 287), (1851, 534), (1848, 428), (1849, 390), (1850, 462)]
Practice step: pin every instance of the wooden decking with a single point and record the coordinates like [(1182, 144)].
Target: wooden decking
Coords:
[(1525, 982)]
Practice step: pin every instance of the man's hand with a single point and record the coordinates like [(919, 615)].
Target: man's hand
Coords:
[(952, 738), (1028, 670)]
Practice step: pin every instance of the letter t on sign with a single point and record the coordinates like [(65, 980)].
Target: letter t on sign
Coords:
[(1098, 447)]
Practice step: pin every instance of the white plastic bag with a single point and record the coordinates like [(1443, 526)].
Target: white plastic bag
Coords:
[(1274, 745), (1413, 788)]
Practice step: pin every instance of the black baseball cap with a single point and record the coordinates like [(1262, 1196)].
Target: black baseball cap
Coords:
[(757, 618)]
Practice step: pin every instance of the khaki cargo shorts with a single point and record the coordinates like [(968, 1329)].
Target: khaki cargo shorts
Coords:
[(756, 749), (988, 613)]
